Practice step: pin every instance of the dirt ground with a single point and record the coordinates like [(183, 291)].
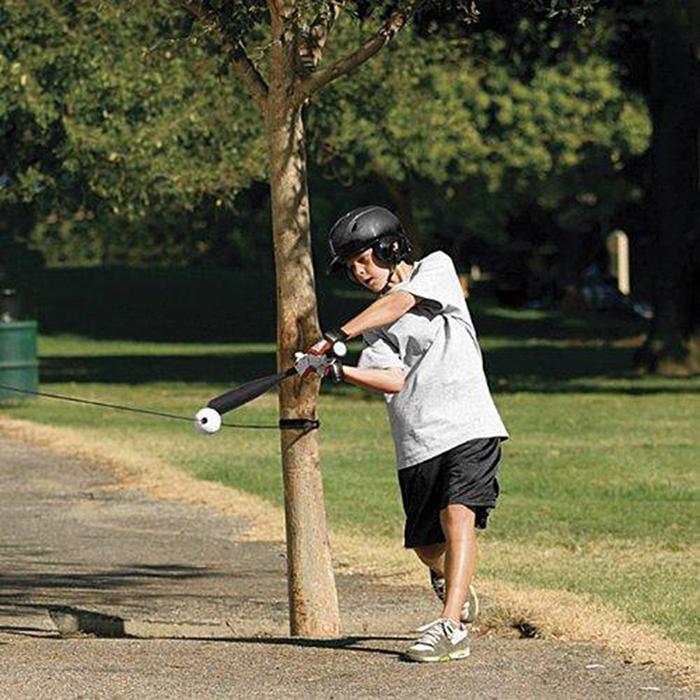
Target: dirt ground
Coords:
[(159, 598)]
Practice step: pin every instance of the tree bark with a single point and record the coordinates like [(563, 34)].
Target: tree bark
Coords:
[(313, 602), (673, 344)]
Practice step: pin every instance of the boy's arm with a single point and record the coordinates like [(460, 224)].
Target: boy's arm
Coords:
[(383, 312), (389, 381)]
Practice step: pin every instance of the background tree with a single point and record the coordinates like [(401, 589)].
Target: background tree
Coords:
[(108, 116), (657, 46), (673, 343), (470, 131)]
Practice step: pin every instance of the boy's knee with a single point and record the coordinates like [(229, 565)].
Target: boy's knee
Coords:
[(456, 515)]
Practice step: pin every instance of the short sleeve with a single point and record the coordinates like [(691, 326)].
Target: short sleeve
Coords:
[(379, 354), (435, 279)]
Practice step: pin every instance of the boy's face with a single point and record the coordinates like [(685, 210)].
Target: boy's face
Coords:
[(368, 272)]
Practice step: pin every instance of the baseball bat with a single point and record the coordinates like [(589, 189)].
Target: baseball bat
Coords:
[(247, 392)]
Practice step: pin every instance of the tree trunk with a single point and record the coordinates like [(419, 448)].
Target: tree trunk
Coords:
[(313, 602), (673, 344)]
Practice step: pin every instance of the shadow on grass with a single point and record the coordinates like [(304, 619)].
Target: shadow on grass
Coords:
[(525, 350), (142, 369), (492, 320), (223, 305), (175, 304), (513, 368), (552, 369)]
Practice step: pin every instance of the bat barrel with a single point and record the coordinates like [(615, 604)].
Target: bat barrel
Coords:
[(247, 392)]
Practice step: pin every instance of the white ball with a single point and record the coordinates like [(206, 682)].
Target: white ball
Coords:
[(340, 349), (207, 421)]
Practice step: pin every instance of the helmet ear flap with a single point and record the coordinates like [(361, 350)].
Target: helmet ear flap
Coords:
[(386, 251), (382, 250)]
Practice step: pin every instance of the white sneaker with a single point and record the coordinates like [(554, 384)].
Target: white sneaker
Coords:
[(442, 641)]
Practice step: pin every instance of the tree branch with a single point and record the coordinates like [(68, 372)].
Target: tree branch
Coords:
[(313, 40), (370, 48), (274, 10), (244, 67)]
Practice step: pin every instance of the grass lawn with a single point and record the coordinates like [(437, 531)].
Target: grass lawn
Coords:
[(599, 481)]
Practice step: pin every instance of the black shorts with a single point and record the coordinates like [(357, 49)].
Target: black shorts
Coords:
[(466, 474)]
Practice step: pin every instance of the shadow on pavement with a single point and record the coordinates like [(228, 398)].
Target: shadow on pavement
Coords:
[(25, 582), (72, 622), (343, 643)]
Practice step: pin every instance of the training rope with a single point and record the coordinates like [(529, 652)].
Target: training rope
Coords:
[(302, 424)]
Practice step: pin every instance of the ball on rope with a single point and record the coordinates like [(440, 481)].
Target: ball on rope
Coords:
[(207, 421)]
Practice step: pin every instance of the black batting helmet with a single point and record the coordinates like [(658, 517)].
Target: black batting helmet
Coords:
[(368, 227)]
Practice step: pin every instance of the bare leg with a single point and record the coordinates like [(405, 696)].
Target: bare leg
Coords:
[(433, 556), (458, 524)]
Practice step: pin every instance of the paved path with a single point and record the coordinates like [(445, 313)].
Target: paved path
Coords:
[(211, 611)]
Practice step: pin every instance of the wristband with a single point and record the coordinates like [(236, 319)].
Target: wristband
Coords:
[(336, 334), (336, 371)]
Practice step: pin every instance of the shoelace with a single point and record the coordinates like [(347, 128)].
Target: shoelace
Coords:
[(426, 627), (434, 633)]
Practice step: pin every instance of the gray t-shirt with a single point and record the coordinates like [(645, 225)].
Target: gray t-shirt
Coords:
[(445, 400)]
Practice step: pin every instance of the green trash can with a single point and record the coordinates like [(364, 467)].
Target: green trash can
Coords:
[(18, 362)]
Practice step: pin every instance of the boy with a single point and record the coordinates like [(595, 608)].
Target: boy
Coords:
[(422, 352)]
